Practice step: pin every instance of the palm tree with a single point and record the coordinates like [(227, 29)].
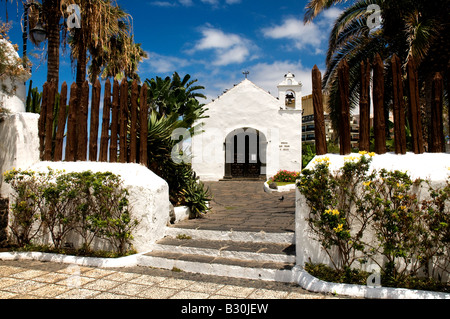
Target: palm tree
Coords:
[(49, 14), (409, 28), (119, 61), (101, 20), (176, 95)]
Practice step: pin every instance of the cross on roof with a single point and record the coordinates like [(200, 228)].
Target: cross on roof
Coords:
[(246, 73)]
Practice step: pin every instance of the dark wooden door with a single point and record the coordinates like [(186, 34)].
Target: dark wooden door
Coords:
[(246, 163)]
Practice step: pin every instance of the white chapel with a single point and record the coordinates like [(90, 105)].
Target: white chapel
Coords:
[(249, 133)]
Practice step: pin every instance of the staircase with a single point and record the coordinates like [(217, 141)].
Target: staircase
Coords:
[(249, 255)]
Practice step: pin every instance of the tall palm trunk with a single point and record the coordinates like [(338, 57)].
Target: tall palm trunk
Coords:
[(53, 15)]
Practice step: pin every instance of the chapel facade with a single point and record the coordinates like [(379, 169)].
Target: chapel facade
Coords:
[(249, 133)]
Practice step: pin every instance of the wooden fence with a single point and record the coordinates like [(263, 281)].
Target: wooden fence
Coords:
[(436, 127), (124, 128)]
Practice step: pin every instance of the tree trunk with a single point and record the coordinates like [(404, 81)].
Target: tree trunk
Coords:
[(415, 117), (437, 124), (71, 144), (123, 122), (133, 124), (143, 117), (344, 126), (399, 107), (364, 108), (53, 14), (105, 122), (319, 121), (114, 122), (61, 124), (378, 106), (95, 113)]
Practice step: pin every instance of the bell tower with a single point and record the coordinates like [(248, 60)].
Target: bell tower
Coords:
[(290, 92)]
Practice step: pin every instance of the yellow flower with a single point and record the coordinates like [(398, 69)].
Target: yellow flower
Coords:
[(363, 152), (403, 207), (400, 196), (367, 183), (372, 154), (339, 228), (333, 212)]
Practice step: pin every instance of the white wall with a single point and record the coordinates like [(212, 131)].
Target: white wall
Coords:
[(19, 144), (247, 106), (434, 167), (148, 197)]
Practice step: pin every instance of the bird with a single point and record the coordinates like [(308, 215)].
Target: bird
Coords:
[(281, 198)]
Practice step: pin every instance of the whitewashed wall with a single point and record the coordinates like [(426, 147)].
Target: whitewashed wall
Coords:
[(248, 106), (148, 197), (433, 167)]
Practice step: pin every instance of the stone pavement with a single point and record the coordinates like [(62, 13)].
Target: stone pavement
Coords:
[(39, 280), (244, 206)]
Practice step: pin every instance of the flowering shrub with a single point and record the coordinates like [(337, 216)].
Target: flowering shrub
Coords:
[(286, 176), (94, 205), (377, 215)]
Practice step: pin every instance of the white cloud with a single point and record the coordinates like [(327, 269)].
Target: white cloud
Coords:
[(157, 63), (228, 48), (313, 35), (301, 35), (331, 14), (269, 75), (163, 4)]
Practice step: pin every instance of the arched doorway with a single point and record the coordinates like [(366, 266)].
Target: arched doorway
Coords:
[(245, 154)]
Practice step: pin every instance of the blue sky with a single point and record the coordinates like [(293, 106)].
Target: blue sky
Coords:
[(215, 41)]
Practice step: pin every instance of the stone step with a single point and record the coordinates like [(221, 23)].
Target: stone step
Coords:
[(240, 236), (219, 266), (251, 251), (221, 260), (250, 255)]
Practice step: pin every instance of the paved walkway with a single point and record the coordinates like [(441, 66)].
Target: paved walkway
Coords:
[(244, 206), (38, 280)]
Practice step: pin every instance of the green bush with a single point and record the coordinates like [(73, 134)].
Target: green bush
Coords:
[(410, 235), (94, 205)]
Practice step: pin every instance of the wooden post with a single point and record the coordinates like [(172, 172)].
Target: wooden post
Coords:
[(123, 122), (143, 117), (62, 116), (49, 122), (82, 129), (364, 108), (378, 106), (42, 119), (105, 122), (399, 106), (319, 121), (415, 117), (344, 122), (114, 123), (71, 141), (437, 124), (95, 114), (133, 124)]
